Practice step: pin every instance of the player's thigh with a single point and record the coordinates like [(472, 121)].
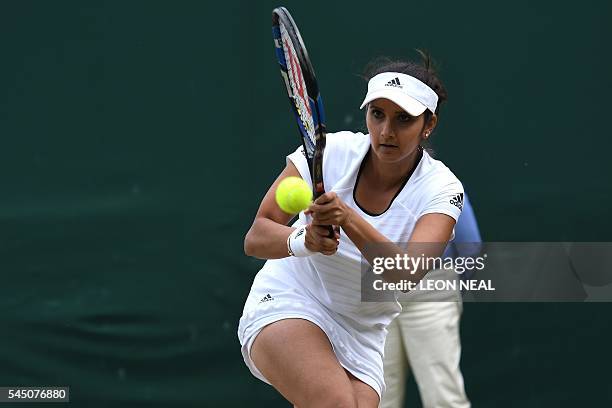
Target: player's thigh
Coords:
[(296, 357), (364, 394)]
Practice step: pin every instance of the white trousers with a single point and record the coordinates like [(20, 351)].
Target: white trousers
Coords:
[(424, 338)]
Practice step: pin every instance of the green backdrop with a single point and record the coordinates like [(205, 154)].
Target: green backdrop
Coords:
[(138, 138)]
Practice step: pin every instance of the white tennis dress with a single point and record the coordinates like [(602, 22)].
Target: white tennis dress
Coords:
[(326, 290)]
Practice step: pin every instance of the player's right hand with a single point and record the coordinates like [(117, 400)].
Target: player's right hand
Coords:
[(318, 240)]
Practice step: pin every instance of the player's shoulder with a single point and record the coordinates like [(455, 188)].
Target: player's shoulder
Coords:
[(434, 176), (346, 144), (346, 139), (435, 168), (342, 155)]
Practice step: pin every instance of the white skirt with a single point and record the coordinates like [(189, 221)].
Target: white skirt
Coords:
[(359, 349)]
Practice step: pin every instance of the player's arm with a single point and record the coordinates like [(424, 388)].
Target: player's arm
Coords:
[(432, 230), (428, 239), (267, 237)]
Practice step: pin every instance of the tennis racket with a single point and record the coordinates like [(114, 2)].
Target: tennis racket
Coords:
[(303, 90)]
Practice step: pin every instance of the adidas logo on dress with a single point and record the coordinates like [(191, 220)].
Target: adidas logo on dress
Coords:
[(457, 201), (394, 82), (266, 298)]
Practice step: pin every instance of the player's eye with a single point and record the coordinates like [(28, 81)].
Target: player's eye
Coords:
[(377, 113), (405, 118)]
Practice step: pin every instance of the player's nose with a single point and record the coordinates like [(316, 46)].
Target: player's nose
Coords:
[(387, 132)]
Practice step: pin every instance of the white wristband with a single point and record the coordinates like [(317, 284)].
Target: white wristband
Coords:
[(296, 243)]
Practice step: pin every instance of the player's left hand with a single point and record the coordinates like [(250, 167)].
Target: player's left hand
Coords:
[(329, 209)]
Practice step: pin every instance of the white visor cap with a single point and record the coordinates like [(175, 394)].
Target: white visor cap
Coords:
[(409, 93)]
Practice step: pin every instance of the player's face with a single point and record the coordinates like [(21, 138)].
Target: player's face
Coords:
[(394, 133)]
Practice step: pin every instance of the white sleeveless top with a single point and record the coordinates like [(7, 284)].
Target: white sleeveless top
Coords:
[(335, 281)]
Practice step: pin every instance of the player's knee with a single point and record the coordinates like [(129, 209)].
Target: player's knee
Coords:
[(345, 400), (332, 398)]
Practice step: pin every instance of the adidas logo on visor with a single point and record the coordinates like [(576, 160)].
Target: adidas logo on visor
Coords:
[(394, 82)]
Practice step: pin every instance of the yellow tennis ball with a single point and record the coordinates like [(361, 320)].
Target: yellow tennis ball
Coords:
[(293, 195)]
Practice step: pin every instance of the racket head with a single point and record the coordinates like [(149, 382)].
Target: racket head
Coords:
[(303, 91)]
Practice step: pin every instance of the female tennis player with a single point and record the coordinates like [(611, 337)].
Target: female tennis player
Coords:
[(304, 328)]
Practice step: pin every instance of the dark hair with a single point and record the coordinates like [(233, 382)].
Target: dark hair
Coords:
[(424, 71)]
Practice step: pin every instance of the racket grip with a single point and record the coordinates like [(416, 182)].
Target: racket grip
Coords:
[(318, 192), (332, 231)]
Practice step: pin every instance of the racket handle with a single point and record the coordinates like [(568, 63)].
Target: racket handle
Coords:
[(332, 229), (318, 192)]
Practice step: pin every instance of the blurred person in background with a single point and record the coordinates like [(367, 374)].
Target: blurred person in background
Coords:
[(425, 339)]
